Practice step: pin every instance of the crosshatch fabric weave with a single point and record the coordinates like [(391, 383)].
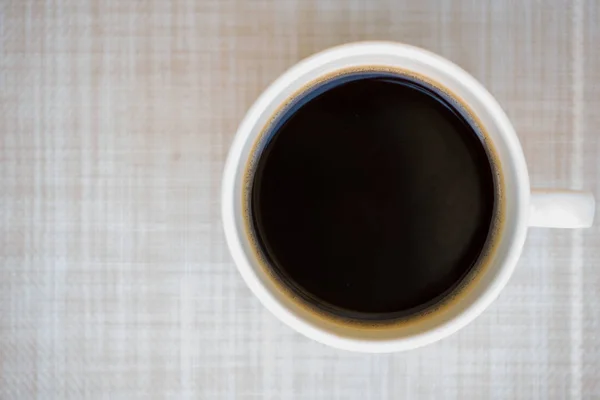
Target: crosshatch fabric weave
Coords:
[(115, 120)]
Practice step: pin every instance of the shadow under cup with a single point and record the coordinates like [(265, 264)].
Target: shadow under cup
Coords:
[(297, 292)]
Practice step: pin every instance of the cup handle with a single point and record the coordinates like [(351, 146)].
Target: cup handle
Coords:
[(557, 208)]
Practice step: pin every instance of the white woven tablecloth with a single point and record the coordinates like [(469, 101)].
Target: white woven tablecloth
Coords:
[(115, 120)]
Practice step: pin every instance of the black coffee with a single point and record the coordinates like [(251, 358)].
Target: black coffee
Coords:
[(374, 196)]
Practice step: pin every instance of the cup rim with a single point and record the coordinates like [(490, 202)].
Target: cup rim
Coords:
[(242, 259)]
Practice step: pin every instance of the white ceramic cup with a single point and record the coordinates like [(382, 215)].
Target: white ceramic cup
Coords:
[(523, 207)]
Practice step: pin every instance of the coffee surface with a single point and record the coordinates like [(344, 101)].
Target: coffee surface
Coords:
[(374, 196)]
